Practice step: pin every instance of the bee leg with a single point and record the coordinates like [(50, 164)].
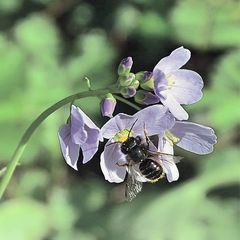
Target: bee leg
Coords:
[(146, 136), (122, 165)]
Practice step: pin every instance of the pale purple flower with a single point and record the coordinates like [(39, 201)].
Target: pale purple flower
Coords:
[(175, 86), (192, 137), (155, 119), (80, 133)]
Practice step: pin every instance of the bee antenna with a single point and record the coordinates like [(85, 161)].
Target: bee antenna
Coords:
[(112, 143), (132, 127)]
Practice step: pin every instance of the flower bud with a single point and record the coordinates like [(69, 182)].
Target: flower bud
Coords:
[(128, 92), (126, 81), (108, 105), (135, 84), (125, 66), (145, 98), (146, 80)]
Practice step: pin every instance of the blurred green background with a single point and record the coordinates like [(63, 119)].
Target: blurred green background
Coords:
[(46, 49)]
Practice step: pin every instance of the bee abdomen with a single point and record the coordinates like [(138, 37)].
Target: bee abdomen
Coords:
[(151, 170)]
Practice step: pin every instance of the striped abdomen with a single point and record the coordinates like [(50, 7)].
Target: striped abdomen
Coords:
[(151, 170)]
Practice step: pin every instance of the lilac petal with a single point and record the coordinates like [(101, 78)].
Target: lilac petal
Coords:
[(90, 147), (160, 83), (69, 149), (194, 137), (109, 159), (150, 99), (174, 61), (174, 107), (156, 119), (118, 123), (78, 133), (169, 165), (187, 87)]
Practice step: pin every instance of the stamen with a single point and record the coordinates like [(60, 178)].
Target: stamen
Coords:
[(172, 138)]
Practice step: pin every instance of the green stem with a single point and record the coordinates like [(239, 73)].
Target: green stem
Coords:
[(121, 99), (28, 133)]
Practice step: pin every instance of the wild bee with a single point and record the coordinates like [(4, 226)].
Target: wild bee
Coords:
[(142, 163)]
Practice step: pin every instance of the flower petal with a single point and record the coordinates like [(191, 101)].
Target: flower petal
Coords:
[(174, 107), (118, 123), (174, 61), (194, 137), (156, 119), (79, 121), (187, 87), (169, 165), (109, 159), (69, 149), (150, 98), (160, 83), (90, 147), (78, 133)]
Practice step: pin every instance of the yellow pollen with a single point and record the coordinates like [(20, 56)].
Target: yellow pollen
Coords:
[(122, 136)]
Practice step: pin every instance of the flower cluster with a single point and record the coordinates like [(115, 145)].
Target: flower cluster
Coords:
[(165, 88)]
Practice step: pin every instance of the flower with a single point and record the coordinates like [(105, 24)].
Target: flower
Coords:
[(108, 105), (175, 86), (192, 137), (155, 120), (82, 133)]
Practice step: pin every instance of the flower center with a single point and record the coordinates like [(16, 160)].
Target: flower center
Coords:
[(170, 81), (171, 137), (123, 135)]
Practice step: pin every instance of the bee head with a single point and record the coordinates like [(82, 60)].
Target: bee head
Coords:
[(128, 145)]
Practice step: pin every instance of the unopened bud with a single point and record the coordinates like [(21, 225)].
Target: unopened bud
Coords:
[(108, 105), (146, 98), (146, 80), (128, 92), (127, 80), (135, 84), (125, 66)]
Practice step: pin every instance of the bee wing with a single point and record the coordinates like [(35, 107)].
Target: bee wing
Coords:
[(133, 186), (165, 157)]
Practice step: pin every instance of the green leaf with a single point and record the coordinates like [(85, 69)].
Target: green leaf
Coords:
[(23, 219), (127, 19), (34, 182), (12, 67), (221, 99), (89, 61), (38, 36), (152, 24), (61, 211), (10, 5), (213, 24)]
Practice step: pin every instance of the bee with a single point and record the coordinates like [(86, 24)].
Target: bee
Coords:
[(143, 164)]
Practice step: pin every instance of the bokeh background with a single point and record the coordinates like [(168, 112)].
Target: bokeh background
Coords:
[(47, 47)]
